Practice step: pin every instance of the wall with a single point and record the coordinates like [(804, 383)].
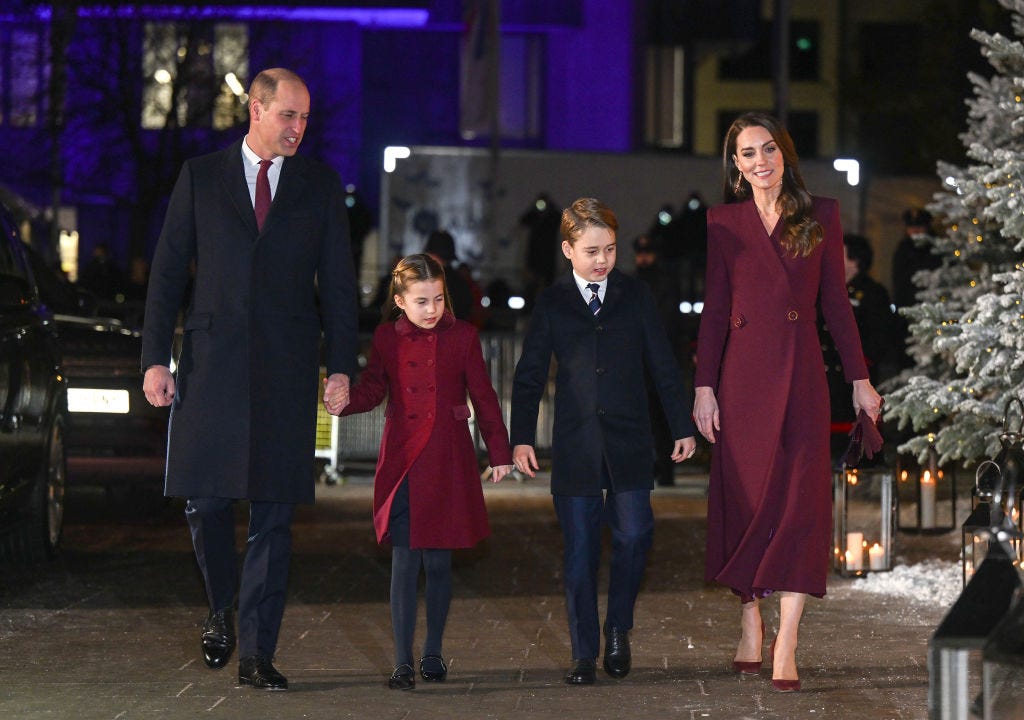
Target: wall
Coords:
[(447, 187)]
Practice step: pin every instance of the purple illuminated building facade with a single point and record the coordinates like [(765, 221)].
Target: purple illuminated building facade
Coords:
[(91, 120)]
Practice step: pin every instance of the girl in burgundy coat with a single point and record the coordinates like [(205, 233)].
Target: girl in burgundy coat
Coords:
[(427, 497), (760, 391)]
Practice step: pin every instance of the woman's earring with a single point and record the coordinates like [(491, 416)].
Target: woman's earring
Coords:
[(739, 181)]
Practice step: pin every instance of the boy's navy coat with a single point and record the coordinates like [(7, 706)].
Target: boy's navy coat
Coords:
[(601, 413)]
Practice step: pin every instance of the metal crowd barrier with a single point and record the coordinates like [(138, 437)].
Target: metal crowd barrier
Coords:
[(357, 437)]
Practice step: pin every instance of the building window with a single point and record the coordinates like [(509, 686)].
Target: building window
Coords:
[(193, 75), (756, 62), (664, 100), (24, 76), (521, 69)]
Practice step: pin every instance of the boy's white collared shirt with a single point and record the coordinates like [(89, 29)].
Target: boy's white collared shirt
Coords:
[(585, 291)]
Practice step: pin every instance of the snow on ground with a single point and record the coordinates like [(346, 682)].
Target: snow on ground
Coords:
[(932, 581)]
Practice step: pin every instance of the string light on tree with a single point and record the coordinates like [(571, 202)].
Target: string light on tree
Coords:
[(966, 337)]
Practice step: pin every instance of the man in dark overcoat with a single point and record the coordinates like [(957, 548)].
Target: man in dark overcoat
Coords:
[(266, 233)]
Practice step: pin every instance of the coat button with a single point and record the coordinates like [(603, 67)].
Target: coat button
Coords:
[(430, 413), (739, 321), (430, 363), (600, 411), (410, 389), (600, 371), (793, 315)]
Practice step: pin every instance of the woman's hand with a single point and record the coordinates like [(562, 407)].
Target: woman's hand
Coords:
[(867, 399), (705, 412)]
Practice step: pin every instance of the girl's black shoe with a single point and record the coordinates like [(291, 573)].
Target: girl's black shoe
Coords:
[(433, 669), (403, 678)]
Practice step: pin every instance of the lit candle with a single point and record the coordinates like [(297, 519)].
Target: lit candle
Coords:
[(927, 500), (876, 557), (854, 551)]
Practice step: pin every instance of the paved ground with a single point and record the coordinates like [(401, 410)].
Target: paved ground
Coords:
[(110, 629)]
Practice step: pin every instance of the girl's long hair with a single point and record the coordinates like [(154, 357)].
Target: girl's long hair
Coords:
[(410, 269), (803, 232)]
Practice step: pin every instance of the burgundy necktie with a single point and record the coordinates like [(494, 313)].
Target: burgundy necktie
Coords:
[(262, 205)]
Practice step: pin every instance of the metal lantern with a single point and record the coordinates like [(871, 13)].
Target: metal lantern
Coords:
[(864, 520), (926, 497), (1002, 676), (961, 634), (1011, 468), (986, 514)]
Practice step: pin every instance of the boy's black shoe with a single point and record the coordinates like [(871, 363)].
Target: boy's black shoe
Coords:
[(617, 657), (259, 672), (582, 672)]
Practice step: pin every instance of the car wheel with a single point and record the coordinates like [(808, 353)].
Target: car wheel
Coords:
[(38, 537)]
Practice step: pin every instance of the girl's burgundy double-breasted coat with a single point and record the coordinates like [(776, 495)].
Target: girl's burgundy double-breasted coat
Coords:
[(425, 376), (769, 499)]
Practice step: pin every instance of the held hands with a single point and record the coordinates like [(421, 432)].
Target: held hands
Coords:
[(525, 460), (158, 385), (336, 395), (684, 449), (498, 472), (705, 412)]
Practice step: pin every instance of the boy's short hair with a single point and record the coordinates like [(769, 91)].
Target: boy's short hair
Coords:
[(586, 213)]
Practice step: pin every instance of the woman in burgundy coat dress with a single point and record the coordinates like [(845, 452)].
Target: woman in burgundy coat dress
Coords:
[(760, 391), (427, 498)]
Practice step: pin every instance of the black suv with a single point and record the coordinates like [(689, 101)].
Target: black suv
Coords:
[(33, 411), (114, 435)]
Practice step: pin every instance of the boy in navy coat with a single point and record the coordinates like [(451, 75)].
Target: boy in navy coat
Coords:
[(603, 329)]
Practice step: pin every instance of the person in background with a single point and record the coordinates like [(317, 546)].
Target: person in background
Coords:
[(877, 326), (426, 493), (464, 296), (267, 231), (541, 220), (101, 276), (912, 254), (761, 393), (664, 287), (603, 329)]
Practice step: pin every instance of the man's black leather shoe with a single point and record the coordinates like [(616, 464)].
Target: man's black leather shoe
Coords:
[(259, 672), (218, 639), (582, 672), (617, 657)]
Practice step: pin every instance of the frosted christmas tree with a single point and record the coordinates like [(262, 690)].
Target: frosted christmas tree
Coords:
[(968, 326)]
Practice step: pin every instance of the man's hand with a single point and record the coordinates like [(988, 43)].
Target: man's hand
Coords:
[(336, 395), (158, 385)]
